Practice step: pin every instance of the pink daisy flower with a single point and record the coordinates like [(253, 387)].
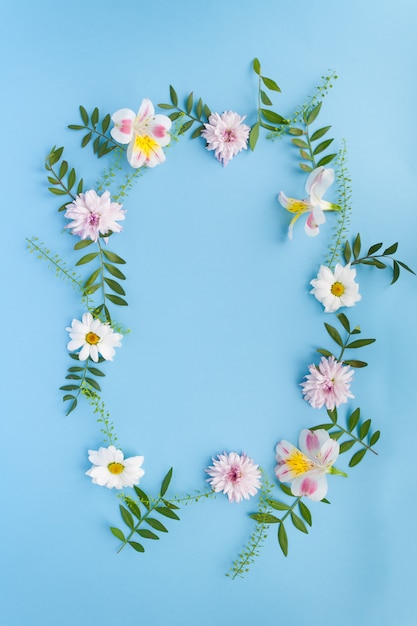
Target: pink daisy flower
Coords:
[(93, 215), (226, 135), (328, 383), (235, 475)]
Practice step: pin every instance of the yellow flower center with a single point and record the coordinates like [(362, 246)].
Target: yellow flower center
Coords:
[(145, 144), (298, 463), (337, 289), (297, 206), (92, 338), (115, 468)]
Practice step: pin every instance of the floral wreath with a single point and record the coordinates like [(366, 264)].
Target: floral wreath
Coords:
[(94, 217)]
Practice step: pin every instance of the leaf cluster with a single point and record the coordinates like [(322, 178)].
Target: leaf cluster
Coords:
[(373, 259), (139, 516), (267, 118), (300, 521), (103, 142), (310, 146), (356, 432), (82, 380), (347, 344), (194, 110), (62, 178)]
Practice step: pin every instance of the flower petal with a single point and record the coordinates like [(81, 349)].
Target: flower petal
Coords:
[(122, 131)]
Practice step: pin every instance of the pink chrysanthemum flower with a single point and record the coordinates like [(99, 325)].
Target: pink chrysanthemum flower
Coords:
[(328, 383), (94, 215), (235, 475), (226, 135)]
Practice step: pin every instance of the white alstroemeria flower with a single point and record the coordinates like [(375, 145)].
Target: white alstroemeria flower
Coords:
[(317, 184), (336, 289), (110, 469), (146, 134), (94, 338), (306, 468)]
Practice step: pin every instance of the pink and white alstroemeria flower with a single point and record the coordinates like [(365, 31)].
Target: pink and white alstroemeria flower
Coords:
[(146, 134), (317, 184), (306, 468)]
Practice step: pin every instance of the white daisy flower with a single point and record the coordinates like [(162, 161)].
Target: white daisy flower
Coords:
[(337, 289), (110, 469), (94, 338)]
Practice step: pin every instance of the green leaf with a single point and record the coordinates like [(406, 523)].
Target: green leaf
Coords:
[(325, 426), (286, 489), (71, 179), (165, 483), (391, 249), (357, 457), (189, 103), (374, 438), (273, 117), (283, 539), (278, 506), (354, 419), (175, 116), (156, 524), (406, 267), (165, 106), (360, 343), (68, 397), (312, 115), (116, 299), (146, 533), (75, 127), (265, 98), (305, 167), (270, 84), (134, 508), (114, 258), (336, 434), (347, 445), (254, 135), (93, 383), (256, 66), (377, 263), (72, 406), (324, 352), (300, 143), (95, 371), (173, 94), (94, 117), (57, 192), (326, 159), (118, 533), (295, 131), (183, 129), (170, 505), (334, 334), (305, 155), (164, 510), (374, 249), (92, 278), (87, 258), (69, 387), (265, 518), (75, 369), (355, 363), (63, 169), (396, 272), (357, 246), (364, 429), (207, 111), (298, 523), (142, 496), (114, 271), (332, 413), (344, 321), (199, 108), (319, 133), (197, 132), (136, 546), (105, 123), (115, 286), (305, 512), (84, 115), (86, 139), (322, 146), (347, 252), (127, 517)]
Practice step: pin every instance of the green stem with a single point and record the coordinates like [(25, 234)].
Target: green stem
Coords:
[(291, 509), (105, 137)]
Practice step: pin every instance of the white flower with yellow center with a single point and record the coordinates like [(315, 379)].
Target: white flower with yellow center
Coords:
[(94, 338), (110, 469), (306, 468), (146, 134), (336, 289)]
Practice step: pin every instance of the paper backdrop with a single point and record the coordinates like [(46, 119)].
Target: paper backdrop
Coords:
[(222, 325)]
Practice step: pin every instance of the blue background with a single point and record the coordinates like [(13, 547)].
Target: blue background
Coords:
[(222, 324)]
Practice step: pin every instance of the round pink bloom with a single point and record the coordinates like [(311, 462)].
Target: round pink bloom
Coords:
[(306, 468), (235, 475), (328, 383), (226, 135), (94, 215)]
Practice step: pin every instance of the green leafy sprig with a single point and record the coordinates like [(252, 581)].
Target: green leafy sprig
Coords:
[(139, 516), (266, 118), (81, 380), (364, 435), (103, 142), (373, 259), (347, 344), (344, 201), (62, 178), (194, 110), (107, 426), (307, 143), (241, 565), (300, 522)]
